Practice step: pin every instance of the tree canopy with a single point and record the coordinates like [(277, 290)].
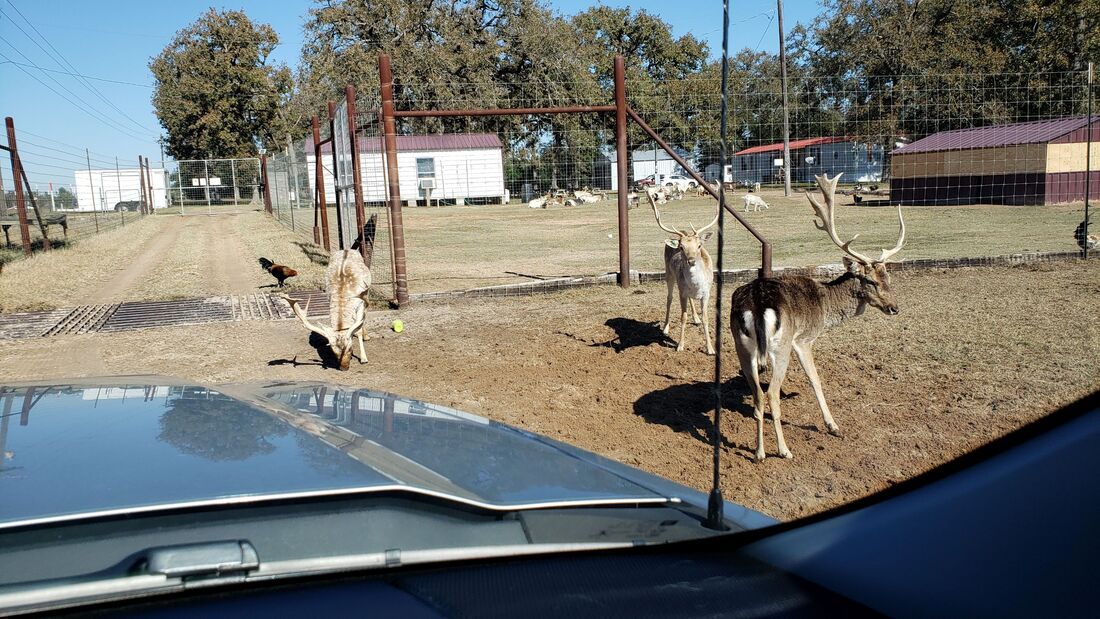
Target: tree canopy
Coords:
[(216, 95)]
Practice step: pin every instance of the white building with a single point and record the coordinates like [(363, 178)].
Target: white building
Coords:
[(101, 190), (457, 167)]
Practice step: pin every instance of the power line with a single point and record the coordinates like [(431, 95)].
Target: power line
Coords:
[(98, 79), (57, 150), (80, 150), (86, 83), (86, 108)]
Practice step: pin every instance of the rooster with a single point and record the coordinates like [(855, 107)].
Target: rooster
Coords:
[(1083, 238), (280, 272)]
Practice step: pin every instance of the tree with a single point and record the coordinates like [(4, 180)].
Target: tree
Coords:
[(216, 95), (65, 198)]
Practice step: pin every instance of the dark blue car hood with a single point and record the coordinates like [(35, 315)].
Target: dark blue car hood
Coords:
[(71, 451)]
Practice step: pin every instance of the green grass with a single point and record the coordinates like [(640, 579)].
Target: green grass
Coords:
[(459, 247)]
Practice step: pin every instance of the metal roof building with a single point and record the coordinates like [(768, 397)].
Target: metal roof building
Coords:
[(1041, 162), (809, 157)]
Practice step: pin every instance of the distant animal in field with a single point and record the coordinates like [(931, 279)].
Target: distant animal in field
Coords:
[(1084, 239), (754, 201), (278, 271)]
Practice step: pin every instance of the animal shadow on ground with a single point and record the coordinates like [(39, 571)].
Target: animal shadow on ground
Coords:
[(690, 408), (315, 254), (327, 359), (630, 333)]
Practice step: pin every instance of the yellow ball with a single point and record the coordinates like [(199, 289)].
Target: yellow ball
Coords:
[(398, 326)]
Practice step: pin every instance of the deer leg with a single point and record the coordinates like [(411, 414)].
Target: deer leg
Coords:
[(694, 314), (746, 353), (684, 302), (806, 358), (668, 304), (779, 371), (362, 351), (706, 326)]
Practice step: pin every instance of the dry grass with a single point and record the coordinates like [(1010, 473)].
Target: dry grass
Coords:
[(974, 354), (68, 276), (459, 247)]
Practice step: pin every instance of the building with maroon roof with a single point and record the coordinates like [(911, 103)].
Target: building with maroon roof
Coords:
[(1041, 162)]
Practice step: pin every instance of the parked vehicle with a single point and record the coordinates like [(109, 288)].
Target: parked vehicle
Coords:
[(678, 181), (127, 205)]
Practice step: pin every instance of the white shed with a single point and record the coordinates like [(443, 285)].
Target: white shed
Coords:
[(101, 190), (455, 167), (647, 162)]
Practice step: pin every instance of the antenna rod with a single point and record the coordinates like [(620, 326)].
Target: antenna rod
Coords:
[(716, 504)]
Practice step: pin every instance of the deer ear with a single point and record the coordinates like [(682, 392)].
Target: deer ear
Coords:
[(851, 266), (673, 243), (707, 236)]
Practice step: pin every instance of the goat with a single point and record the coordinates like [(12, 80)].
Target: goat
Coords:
[(754, 201)]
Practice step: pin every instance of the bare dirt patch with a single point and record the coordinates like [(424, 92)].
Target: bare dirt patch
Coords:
[(974, 354)]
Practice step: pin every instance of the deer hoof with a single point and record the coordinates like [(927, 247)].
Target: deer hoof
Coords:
[(680, 347), (664, 329), (786, 453), (710, 351), (760, 455), (833, 429)]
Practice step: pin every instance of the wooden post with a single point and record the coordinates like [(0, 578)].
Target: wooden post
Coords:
[(141, 185), (16, 170), (620, 164), (263, 179), (319, 171), (397, 227), (149, 181), (357, 182)]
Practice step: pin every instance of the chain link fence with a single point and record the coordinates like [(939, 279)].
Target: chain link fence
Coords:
[(212, 186)]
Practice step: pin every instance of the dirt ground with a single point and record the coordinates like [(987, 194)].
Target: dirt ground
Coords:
[(974, 354)]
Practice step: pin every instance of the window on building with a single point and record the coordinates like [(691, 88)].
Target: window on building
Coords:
[(425, 168)]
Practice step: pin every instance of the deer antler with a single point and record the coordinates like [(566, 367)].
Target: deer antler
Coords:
[(294, 307), (657, 214), (717, 208), (887, 254), (825, 214)]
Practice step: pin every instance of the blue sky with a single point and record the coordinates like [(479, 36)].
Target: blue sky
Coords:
[(115, 40)]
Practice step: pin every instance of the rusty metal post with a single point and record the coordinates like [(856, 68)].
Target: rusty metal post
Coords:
[(397, 228), (357, 182), (263, 179), (322, 207), (620, 164), (336, 175), (37, 211), (141, 185), (16, 169)]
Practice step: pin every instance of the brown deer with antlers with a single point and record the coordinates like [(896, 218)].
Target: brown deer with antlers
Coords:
[(689, 269), (347, 280), (772, 316)]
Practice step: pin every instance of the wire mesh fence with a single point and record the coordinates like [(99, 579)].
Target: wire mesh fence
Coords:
[(212, 186), (507, 199)]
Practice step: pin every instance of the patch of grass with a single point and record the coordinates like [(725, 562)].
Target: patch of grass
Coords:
[(264, 237), (70, 275), (459, 247)]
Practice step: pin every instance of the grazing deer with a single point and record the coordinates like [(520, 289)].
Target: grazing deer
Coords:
[(688, 268), (772, 316), (755, 201), (347, 282)]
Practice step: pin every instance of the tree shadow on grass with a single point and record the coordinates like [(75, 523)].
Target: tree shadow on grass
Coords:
[(315, 254), (630, 333)]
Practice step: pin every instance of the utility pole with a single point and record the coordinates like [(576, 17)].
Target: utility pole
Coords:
[(786, 108), (118, 180)]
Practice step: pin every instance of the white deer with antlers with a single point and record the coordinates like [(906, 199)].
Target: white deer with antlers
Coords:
[(347, 281), (772, 316), (688, 268)]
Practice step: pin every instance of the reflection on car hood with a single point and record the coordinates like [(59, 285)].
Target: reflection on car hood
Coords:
[(73, 450)]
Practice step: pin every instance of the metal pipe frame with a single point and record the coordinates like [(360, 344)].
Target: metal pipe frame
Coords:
[(319, 185), (360, 216), (397, 226)]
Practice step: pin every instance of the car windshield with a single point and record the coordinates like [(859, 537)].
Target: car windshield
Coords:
[(502, 277)]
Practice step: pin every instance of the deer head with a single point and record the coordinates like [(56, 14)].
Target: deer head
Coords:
[(339, 340), (690, 244), (873, 277)]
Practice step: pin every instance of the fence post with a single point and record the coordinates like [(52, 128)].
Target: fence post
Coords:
[(37, 211), (118, 183), (149, 181), (786, 109), (1088, 165), (319, 184), (16, 169), (620, 164), (263, 181), (141, 185), (336, 175), (397, 228), (357, 182)]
